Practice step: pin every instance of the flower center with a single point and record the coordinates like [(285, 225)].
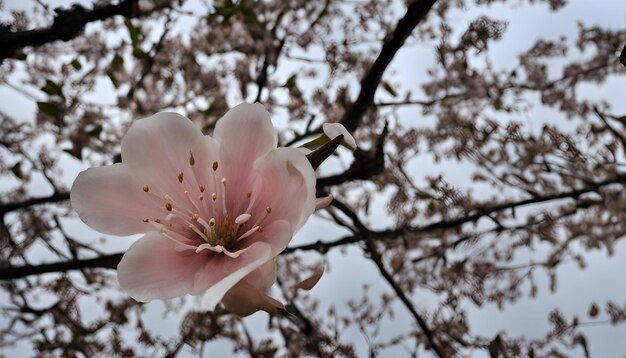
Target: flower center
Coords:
[(185, 216)]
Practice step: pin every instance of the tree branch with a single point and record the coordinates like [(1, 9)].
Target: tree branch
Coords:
[(110, 261), (54, 198), (66, 25), (105, 261), (415, 13), (376, 257)]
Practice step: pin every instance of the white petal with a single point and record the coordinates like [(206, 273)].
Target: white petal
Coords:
[(333, 130), (244, 299), (223, 273), (321, 203), (312, 280), (152, 268), (158, 148), (287, 186), (109, 199)]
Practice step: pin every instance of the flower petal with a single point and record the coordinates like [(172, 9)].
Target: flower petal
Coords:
[(222, 272), (287, 185), (244, 299), (245, 134), (321, 203), (158, 148), (310, 282), (109, 199), (333, 130), (264, 277), (152, 268)]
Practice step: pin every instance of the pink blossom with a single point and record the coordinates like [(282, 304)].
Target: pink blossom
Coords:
[(215, 211)]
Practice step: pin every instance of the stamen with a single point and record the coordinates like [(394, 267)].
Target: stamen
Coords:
[(145, 220), (180, 177), (248, 233), (197, 231), (215, 165), (242, 219), (212, 222), (200, 197), (202, 188), (158, 221), (204, 223), (168, 206), (146, 188), (192, 161), (224, 181), (260, 229), (249, 194), (195, 217), (213, 196), (268, 210)]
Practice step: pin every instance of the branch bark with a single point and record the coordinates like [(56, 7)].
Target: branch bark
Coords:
[(54, 198), (66, 25), (110, 261), (416, 12)]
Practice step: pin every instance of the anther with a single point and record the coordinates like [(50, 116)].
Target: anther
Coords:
[(260, 229), (215, 165), (201, 197), (248, 194), (158, 221), (195, 217), (213, 196), (242, 219), (168, 206), (145, 220), (180, 177), (212, 222), (146, 188), (224, 181), (268, 210), (192, 161), (202, 188)]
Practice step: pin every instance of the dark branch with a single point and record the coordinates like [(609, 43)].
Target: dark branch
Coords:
[(66, 25), (622, 56), (110, 261), (54, 198), (415, 13), (376, 257), (105, 261), (318, 156)]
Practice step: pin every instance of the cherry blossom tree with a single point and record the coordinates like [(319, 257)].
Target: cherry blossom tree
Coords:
[(473, 181)]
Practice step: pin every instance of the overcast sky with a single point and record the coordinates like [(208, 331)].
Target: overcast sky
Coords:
[(603, 279)]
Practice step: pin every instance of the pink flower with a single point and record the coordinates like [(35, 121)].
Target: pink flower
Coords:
[(215, 211)]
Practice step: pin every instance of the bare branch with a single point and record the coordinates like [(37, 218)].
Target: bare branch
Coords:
[(67, 25)]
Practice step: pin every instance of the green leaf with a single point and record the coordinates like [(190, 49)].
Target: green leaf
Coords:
[(387, 87), (291, 81), (133, 31), (95, 133), (53, 89), (112, 77), (50, 109), (317, 142), (76, 64), (75, 152), (117, 61), (17, 170)]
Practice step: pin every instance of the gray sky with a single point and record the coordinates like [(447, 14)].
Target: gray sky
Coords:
[(603, 279)]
